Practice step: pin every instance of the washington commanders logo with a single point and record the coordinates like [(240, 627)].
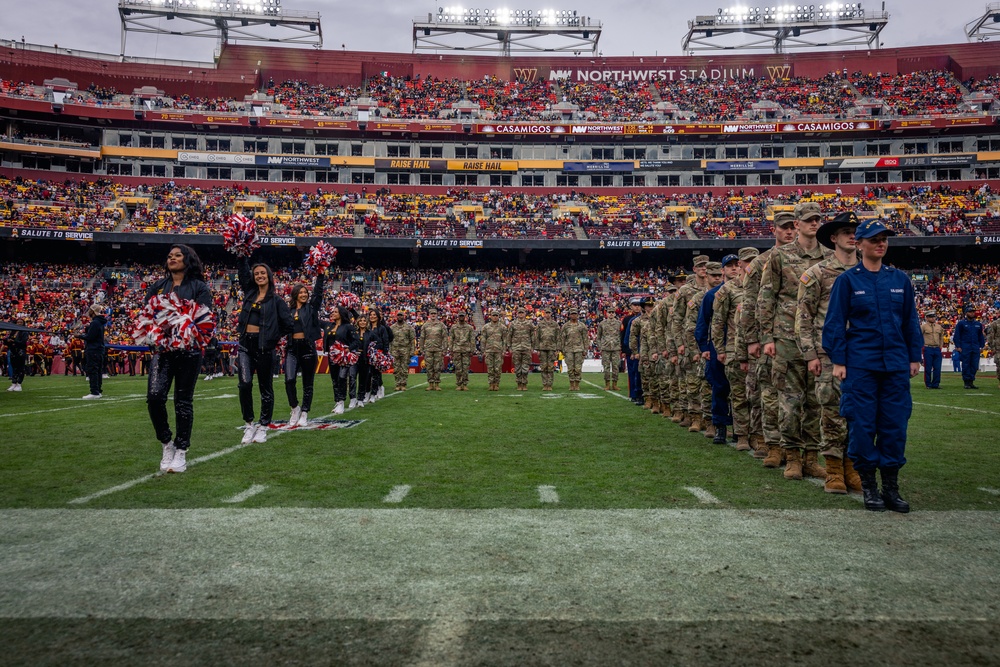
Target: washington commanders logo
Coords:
[(779, 72), (526, 74)]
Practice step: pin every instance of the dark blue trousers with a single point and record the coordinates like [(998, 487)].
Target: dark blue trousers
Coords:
[(877, 407), (715, 373), (634, 381), (970, 364), (932, 366)]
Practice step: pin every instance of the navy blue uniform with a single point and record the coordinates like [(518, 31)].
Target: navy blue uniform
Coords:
[(872, 328), (969, 338), (715, 372)]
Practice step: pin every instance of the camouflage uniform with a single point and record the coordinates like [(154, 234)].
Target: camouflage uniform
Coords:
[(404, 345), (659, 321), (698, 389), (492, 342), (521, 338), (635, 339), (433, 339), (672, 373), (993, 342), (761, 395), (609, 342), (574, 339), (547, 344), (798, 410), (724, 324), (813, 300), (686, 300), (462, 341)]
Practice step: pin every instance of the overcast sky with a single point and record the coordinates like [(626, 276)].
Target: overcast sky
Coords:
[(642, 27)]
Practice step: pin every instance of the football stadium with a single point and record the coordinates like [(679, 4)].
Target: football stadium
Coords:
[(501, 350)]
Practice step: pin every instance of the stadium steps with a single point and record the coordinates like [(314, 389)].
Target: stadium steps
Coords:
[(580, 233), (478, 318), (359, 230)]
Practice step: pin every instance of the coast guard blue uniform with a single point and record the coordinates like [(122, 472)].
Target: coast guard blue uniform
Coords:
[(969, 337), (872, 328), (715, 372)]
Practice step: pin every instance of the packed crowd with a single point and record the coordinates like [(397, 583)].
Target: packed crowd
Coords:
[(916, 93)]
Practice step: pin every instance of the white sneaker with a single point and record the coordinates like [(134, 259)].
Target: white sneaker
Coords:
[(339, 408), (168, 456), (179, 464), (381, 392), (90, 397), (371, 397), (294, 419), (11, 388), (353, 404), (303, 419), (248, 432), (105, 376), (361, 404), (16, 387), (208, 377), (260, 435)]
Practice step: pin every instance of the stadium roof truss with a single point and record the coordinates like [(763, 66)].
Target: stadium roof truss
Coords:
[(486, 32), (798, 29), (248, 20), (986, 26)]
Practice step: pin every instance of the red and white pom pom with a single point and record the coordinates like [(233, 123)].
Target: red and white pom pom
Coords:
[(168, 322), (348, 300), (319, 258), (379, 360), (240, 236), (341, 355)]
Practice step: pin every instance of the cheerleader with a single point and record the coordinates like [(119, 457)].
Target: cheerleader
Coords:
[(263, 320), (17, 353), (341, 331), (178, 367), (301, 353), (360, 371), (382, 336)]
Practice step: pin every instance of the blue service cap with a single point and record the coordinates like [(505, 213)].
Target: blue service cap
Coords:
[(729, 259), (871, 228)]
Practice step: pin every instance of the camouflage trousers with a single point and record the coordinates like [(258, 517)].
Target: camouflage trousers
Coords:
[(699, 393), (832, 426), (673, 388), (738, 398), (645, 375), (768, 402), (494, 366), (798, 408), (996, 363), (400, 366), (522, 364), (574, 365), (546, 362), (433, 361), (609, 362), (660, 370), (461, 361), (753, 398)]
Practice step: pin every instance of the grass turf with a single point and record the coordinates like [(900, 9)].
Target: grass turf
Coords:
[(462, 450)]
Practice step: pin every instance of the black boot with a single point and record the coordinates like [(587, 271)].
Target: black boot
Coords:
[(890, 491), (869, 487), (720, 435)]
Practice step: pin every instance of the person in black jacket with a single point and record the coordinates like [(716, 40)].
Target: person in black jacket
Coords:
[(359, 374), (17, 353), (382, 336), (340, 330), (94, 350), (301, 353), (263, 320), (177, 367)]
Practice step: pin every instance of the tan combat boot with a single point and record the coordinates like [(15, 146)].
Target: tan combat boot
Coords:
[(657, 409), (667, 411), (834, 476), (851, 477), (429, 387), (773, 458), (648, 404), (695, 426), (742, 444), (677, 417), (607, 386), (614, 386), (811, 466), (685, 419), (759, 447), (793, 464), (710, 431)]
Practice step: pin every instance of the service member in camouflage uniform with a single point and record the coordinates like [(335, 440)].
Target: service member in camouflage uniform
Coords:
[(798, 410), (462, 343), (660, 319), (761, 394), (640, 351), (403, 346), (813, 300), (993, 342), (698, 395), (650, 342), (674, 393), (433, 340), (492, 343), (521, 339), (609, 342), (724, 325), (574, 339), (547, 344)]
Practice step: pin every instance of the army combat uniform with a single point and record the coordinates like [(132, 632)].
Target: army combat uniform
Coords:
[(403, 346), (547, 344), (521, 339), (609, 342), (728, 302), (493, 342), (433, 339), (574, 339), (993, 342), (462, 342)]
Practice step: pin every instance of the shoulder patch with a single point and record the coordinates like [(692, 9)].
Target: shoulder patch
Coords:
[(807, 278)]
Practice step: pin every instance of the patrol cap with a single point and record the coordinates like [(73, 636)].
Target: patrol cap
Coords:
[(807, 210), (432, 311), (714, 268), (870, 228), (461, 315), (671, 288), (729, 259), (747, 254), (784, 218), (845, 220), (699, 260)]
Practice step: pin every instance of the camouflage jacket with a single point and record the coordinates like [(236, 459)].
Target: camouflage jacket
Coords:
[(779, 289), (724, 317), (993, 337), (660, 321), (462, 338), (609, 335), (574, 337), (691, 308), (404, 339), (747, 329), (493, 337), (521, 336), (546, 335), (812, 302), (635, 336), (686, 300), (433, 337)]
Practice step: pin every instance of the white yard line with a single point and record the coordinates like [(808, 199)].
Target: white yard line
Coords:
[(249, 493), (397, 493), (995, 492), (92, 403), (547, 494), (703, 496), (607, 390), (952, 407)]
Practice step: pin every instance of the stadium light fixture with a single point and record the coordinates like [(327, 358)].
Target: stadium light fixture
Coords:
[(503, 29)]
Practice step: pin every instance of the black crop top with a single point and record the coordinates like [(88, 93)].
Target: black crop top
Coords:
[(297, 323), (253, 320)]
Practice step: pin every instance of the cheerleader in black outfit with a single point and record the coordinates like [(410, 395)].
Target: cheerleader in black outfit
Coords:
[(17, 354), (362, 371), (382, 336), (301, 353), (341, 331)]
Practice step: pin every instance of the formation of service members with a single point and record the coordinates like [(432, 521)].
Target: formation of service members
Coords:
[(993, 340)]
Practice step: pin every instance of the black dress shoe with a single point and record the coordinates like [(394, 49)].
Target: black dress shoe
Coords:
[(972, 386)]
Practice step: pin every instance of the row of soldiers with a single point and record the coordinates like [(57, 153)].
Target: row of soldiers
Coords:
[(521, 337), (738, 343)]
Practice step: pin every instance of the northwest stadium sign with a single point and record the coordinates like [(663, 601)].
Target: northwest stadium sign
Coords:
[(676, 74)]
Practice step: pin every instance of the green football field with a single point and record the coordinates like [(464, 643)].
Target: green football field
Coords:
[(480, 528)]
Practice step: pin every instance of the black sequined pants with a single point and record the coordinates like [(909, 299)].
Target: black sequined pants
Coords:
[(251, 359), (301, 357), (179, 368)]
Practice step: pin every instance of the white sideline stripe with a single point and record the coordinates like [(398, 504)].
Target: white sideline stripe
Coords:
[(850, 494), (86, 404), (607, 390), (995, 492), (145, 478), (397, 494), (547, 494), (702, 495), (953, 407), (249, 493)]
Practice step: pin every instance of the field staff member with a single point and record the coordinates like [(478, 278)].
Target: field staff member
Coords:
[(933, 340), (969, 342), (872, 334), (94, 350)]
